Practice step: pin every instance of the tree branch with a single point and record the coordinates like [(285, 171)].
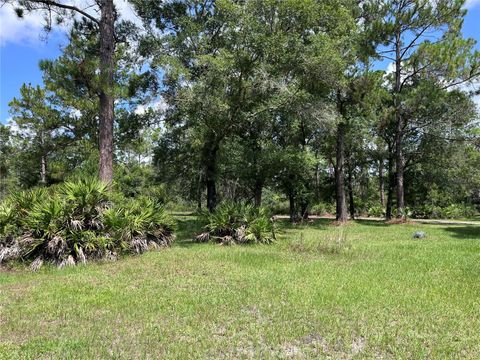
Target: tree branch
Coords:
[(49, 3)]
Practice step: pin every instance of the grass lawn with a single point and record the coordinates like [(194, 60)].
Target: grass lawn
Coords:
[(377, 293)]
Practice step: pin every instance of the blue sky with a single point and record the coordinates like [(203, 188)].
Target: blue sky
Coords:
[(19, 64), (22, 47)]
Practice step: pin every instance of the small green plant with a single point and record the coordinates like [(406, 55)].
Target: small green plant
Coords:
[(233, 223)]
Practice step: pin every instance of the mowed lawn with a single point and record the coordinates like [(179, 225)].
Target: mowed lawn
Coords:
[(373, 292)]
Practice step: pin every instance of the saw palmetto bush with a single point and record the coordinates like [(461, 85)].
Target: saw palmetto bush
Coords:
[(233, 223), (140, 224), (79, 221), (8, 231)]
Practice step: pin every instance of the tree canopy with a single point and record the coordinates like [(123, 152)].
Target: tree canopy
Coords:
[(287, 104)]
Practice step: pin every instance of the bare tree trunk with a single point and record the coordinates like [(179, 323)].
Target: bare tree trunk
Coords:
[(43, 161), (107, 68), (199, 202), (350, 194), (199, 192), (304, 209), (211, 194), (43, 170), (400, 165), (258, 193), (293, 211), (341, 211), (210, 159), (381, 181), (391, 187), (399, 157)]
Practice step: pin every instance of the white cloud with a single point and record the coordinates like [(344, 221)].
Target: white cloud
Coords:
[(14, 128), (390, 68), (469, 4), (29, 30), (157, 105), (126, 12), (75, 113), (471, 87), (20, 31)]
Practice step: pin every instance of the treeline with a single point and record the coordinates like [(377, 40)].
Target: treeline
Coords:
[(304, 106)]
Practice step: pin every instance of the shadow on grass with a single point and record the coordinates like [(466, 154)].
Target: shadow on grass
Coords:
[(181, 214), (465, 232), (318, 224), (376, 223), (324, 223), (187, 228)]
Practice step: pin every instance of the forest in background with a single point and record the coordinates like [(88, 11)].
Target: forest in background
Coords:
[(274, 103)]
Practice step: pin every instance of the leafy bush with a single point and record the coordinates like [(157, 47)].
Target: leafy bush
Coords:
[(238, 224), (279, 208), (375, 210), (455, 211), (452, 211), (79, 221), (139, 225), (323, 208)]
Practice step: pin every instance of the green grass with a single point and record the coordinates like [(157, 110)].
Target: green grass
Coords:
[(374, 293)]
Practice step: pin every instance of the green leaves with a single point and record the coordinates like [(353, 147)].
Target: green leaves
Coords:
[(238, 223), (86, 196), (78, 221)]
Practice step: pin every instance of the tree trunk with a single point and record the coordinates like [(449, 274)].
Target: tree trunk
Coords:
[(210, 160), (350, 194), (391, 188), (304, 209), (293, 211), (211, 194), (199, 202), (400, 165), (199, 192), (43, 170), (399, 157), (341, 212), (317, 182), (381, 181), (257, 196), (43, 161), (107, 68)]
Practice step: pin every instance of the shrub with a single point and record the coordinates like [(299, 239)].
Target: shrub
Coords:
[(7, 219), (79, 221), (452, 211), (455, 211), (238, 224), (139, 225), (376, 210), (279, 208), (323, 208)]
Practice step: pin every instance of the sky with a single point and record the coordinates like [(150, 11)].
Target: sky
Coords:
[(23, 44)]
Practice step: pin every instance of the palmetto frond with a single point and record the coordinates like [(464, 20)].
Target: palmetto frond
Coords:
[(79, 221), (238, 223)]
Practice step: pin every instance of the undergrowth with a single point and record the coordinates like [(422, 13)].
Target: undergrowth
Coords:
[(79, 221)]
